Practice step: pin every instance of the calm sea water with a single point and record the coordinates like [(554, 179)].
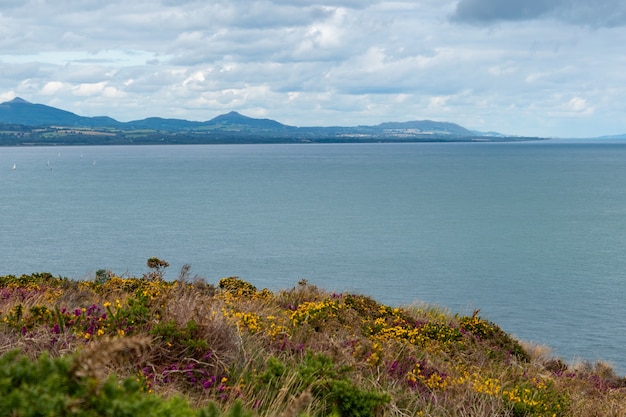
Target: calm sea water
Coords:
[(533, 234)]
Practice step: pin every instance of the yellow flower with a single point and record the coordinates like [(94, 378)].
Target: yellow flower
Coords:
[(107, 304), (100, 332)]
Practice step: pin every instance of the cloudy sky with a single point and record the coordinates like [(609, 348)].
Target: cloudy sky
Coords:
[(532, 67)]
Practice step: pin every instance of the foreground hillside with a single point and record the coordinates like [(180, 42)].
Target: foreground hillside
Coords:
[(143, 346)]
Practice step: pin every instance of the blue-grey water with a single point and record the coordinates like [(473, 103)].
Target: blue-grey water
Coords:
[(532, 234)]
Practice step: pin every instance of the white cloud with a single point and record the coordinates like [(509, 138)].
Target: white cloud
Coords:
[(523, 69), (100, 89), (578, 104), (52, 87), (574, 107), (7, 96), (438, 103)]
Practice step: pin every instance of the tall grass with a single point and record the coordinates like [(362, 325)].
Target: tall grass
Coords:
[(301, 351)]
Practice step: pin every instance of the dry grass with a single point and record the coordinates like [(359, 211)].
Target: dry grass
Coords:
[(108, 355)]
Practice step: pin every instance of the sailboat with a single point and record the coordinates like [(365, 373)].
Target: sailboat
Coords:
[(14, 167)]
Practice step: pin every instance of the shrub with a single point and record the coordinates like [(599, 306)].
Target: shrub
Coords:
[(46, 387), (236, 286), (490, 333), (331, 384)]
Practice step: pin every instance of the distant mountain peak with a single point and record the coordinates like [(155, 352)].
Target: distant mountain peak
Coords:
[(235, 118), (23, 112), (18, 100), (230, 116)]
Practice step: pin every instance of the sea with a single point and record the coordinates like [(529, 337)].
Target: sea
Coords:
[(532, 234)]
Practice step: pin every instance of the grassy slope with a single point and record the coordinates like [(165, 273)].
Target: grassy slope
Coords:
[(300, 351)]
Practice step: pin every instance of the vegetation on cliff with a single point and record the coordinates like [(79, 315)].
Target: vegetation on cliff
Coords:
[(144, 346)]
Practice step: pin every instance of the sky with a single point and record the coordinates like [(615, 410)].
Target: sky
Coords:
[(549, 68)]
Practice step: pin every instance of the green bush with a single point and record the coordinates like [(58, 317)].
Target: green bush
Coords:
[(187, 336), (332, 385), (47, 387), (349, 401)]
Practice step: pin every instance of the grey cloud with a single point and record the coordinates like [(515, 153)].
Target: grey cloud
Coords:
[(478, 11), (82, 73), (16, 72), (355, 4), (599, 13)]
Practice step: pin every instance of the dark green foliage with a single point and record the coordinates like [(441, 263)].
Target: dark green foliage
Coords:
[(47, 387), (350, 401), (136, 313), (274, 370), (187, 336), (316, 367), (331, 384)]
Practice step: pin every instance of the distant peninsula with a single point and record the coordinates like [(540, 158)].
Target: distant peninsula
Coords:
[(23, 123)]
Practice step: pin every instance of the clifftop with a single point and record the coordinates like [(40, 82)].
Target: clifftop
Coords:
[(302, 349)]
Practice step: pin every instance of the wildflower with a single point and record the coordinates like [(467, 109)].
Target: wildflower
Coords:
[(107, 304), (208, 382)]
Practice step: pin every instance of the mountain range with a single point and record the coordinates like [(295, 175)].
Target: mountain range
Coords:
[(22, 122)]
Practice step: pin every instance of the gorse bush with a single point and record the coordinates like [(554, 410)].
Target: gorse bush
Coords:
[(496, 339), (146, 346)]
